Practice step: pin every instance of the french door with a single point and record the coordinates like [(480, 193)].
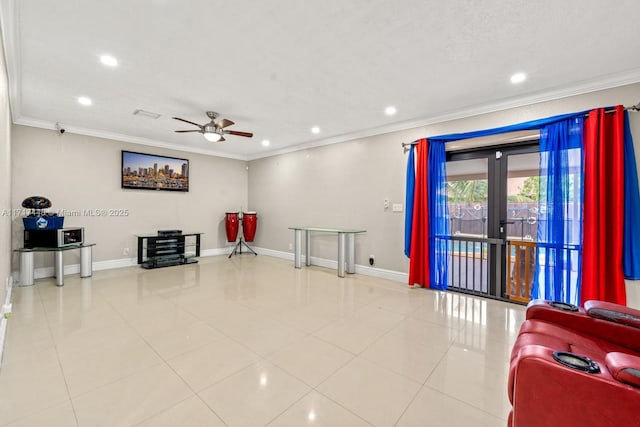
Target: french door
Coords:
[(493, 208)]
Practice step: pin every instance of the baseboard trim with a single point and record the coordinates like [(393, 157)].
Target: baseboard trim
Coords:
[(5, 312), (381, 273), (216, 252), (44, 272)]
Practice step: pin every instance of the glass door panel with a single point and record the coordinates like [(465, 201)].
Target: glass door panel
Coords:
[(521, 220), (468, 194)]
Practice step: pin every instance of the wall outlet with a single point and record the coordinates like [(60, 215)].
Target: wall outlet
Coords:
[(290, 246), (372, 259), (125, 251)]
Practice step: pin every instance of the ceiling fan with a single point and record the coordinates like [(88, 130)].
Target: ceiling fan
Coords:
[(214, 131)]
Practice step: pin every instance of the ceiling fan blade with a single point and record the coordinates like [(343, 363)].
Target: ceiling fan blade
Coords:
[(187, 121), (195, 130), (222, 139), (237, 133), (224, 123)]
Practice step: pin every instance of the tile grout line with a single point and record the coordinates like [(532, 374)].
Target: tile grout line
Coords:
[(427, 378), (449, 395), (55, 346), (168, 365), (465, 403), (342, 406), (311, 390)]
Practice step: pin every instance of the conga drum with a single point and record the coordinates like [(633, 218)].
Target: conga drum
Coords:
[(249, 223), (231, 225)]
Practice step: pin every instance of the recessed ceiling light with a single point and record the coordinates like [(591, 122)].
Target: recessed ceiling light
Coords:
[(518, 78), (84, 100), (265, 142), (109, 60), (390, 110), (315, 130)]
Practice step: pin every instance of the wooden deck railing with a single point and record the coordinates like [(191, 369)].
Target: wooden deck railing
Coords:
[(521, 261)]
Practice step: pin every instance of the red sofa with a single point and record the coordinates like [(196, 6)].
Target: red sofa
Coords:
[(576, 367)]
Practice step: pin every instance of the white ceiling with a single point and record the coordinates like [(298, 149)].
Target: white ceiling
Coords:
[(279, 67)]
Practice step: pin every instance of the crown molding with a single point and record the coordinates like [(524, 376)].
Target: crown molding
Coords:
[(27, 121), (587, 86), (581, 88)]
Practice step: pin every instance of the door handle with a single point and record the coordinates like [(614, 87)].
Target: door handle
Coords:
[(503, 223)]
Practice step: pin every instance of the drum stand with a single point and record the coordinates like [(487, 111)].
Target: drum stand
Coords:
[(238, 248)]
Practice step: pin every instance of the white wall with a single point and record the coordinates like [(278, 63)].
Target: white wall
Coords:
[(344, 185), (5, 179), (79, 172)]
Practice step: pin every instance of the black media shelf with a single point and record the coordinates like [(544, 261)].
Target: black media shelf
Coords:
[(168, 249)]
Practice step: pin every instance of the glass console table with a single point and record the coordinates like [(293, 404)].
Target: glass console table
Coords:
[(346, 246), (27, 266)]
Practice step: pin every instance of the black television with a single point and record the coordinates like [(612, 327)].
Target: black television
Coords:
[(142, 171)]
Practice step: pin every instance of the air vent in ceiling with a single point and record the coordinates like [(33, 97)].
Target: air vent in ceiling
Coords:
[(147, 114)]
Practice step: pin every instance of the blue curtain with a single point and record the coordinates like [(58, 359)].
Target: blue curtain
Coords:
[(558, 256), (532, 125), (631, 237), (438, 217), (408, 213)]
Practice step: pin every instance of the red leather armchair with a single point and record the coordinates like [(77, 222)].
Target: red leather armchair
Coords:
[(576, 367)]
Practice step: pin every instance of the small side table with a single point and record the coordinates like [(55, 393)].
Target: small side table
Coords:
[(27, 265)]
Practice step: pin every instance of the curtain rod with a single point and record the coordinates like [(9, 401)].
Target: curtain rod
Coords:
[(636, 107)]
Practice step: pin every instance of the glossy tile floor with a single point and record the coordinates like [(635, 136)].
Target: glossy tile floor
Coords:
[(251, 341)]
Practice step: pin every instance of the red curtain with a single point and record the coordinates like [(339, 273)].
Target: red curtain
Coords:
[(602, 274), (419, 261)]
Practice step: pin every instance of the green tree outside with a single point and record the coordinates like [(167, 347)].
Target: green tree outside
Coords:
[(467, 191), (529, 192)]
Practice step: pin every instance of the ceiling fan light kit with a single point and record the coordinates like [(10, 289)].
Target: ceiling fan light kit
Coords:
[(214, 131), (212, 136)]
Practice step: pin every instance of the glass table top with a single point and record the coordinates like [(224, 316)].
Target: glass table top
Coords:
[(329, 230), (57, 249)]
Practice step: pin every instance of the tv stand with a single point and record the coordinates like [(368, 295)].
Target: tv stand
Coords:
[(167, 249)]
